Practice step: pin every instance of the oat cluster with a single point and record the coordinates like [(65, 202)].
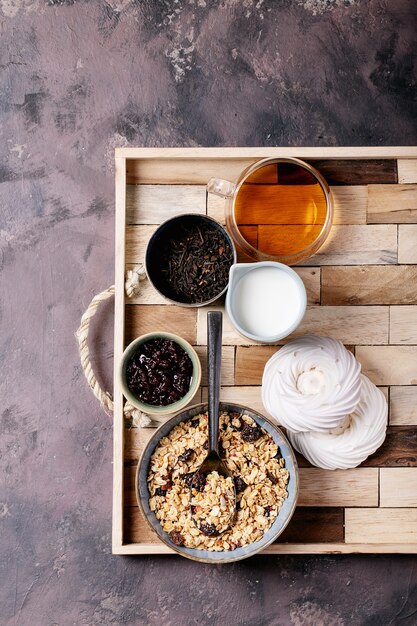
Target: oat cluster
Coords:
[(212, 507), (254, 461)]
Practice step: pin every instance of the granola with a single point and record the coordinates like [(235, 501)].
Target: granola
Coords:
[(212, 507), (254, 461)]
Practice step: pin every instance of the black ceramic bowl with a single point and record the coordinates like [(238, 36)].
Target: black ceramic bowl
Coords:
[(161, 242)]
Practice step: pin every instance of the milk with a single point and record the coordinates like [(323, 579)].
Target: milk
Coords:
[(267, 301)]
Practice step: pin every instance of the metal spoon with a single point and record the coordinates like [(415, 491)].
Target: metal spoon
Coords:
[(213, 462)]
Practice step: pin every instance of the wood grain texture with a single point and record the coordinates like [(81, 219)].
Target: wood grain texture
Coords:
[(314, 525), (141, 319), (403, 324), (137, 238), (246, 396), (257, 356), (153, 204), (398, 450), (362, 172), (131, 549), (348, 324), (407, 170), (307, 153), (185, 171), (389, 365), (356, 487), (350, 204), (398, 487), (381, 525), (119, 330), (403, 406), (407, 243), (228, 365), (311, 279), (358, 245), (392, 204), (136, 529), (394, 284)]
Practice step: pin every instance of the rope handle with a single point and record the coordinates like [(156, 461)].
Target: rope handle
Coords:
[(132, 288)]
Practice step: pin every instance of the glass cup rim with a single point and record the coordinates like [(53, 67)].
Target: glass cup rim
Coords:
[(305, 252)]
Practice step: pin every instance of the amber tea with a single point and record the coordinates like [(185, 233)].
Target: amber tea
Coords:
[(280, 209)]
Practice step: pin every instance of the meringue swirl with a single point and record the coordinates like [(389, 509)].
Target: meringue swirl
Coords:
[(362, 432), (311, 383)]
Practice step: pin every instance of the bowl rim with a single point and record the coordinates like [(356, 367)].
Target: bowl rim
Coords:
[(250, 267), (229, 556), (151, 241), (168, 409)]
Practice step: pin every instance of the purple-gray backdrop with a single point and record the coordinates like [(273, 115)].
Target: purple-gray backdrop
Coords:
[(79, 78)]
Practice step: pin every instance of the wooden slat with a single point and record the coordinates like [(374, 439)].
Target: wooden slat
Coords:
[(398, 487), (137, 238), (130, 549), (362, 172), (302, 152), (194, 167), (350, 204), (311, 279), (403, 406), (369, 285), (245, 396), (392, 204), (389, 365), (185, 171), (407, 243), (257, 356), (358, 245), (314, 525), (136, 528), (403, 324), (398, 450), (136, 440), (381, 525), (141, 319), (356, 487), (407, 170), (228, 365), (119, 301), (348, 324), (153, 204)]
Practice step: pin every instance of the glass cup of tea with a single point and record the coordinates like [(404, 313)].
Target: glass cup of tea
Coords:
[(279, 209)]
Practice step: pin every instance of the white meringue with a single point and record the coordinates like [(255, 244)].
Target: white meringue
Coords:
[(362, 432), (311, 383)]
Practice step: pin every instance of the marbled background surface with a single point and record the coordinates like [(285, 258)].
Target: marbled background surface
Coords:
[(79, 78)]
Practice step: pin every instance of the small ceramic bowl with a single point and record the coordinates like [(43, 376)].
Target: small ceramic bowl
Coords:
[(160, 240), (282, 519), (276, 307), (160, 411)]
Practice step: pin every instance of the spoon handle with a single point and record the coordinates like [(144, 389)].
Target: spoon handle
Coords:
[(214, 360)]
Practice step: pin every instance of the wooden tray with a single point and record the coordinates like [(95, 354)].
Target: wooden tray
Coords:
[(362, 289)]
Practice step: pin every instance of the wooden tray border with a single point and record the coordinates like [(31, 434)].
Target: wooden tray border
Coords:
[(121, 156)]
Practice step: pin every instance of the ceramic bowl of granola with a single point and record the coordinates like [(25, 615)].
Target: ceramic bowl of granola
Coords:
[(264, 471)]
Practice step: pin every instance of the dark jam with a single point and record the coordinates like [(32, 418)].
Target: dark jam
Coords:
[(159, 373)]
